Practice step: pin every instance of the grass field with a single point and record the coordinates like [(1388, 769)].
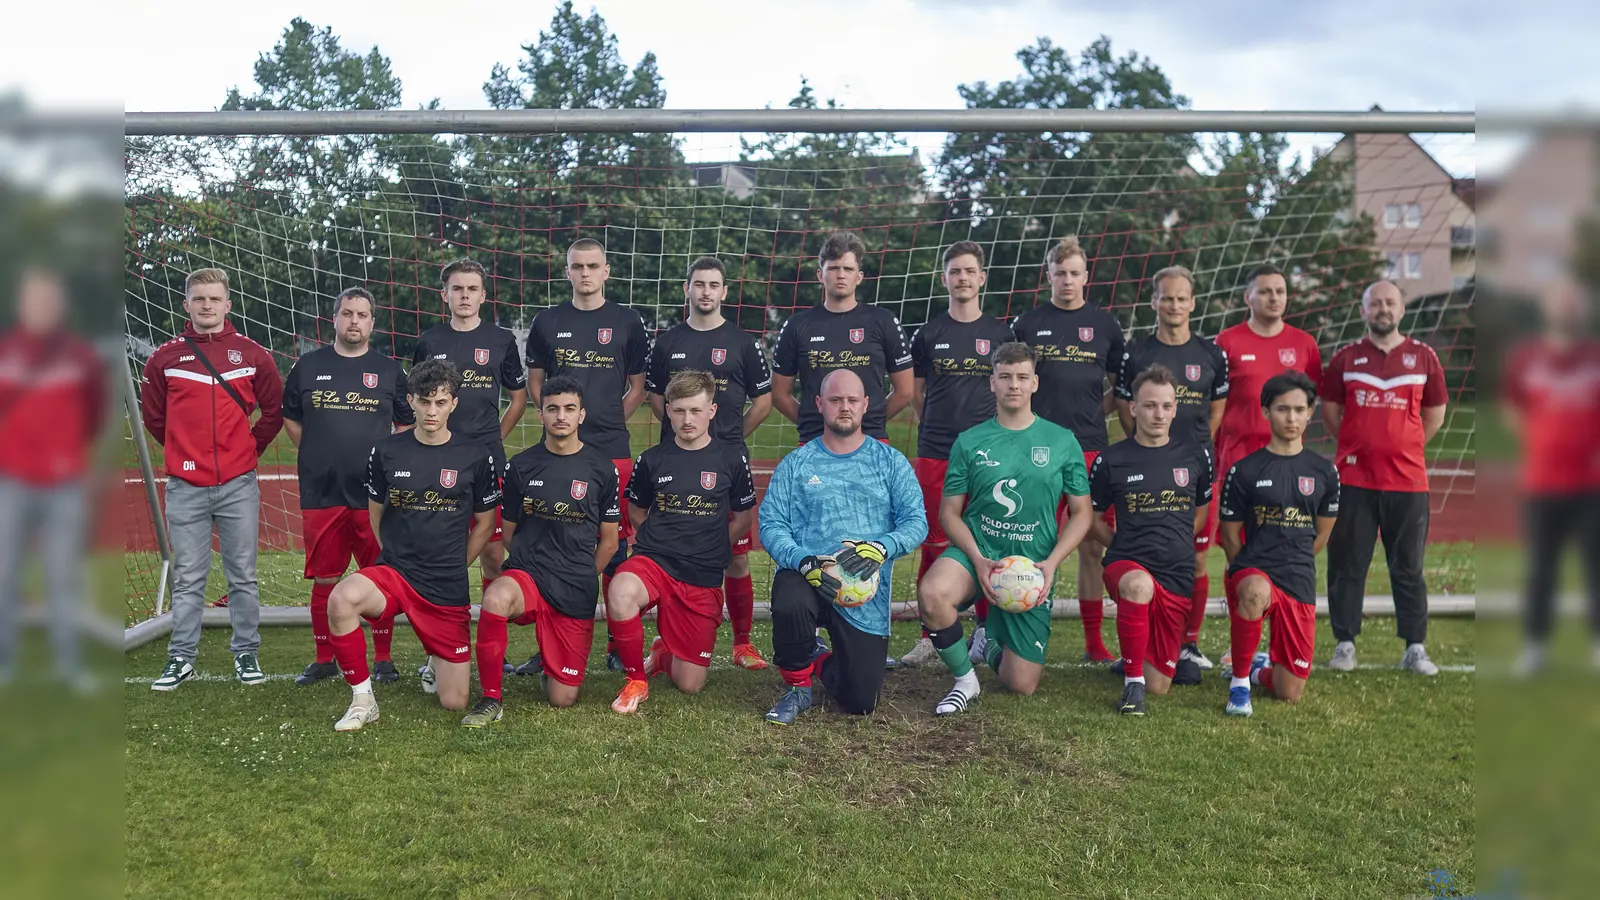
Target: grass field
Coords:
[(1360, 791)]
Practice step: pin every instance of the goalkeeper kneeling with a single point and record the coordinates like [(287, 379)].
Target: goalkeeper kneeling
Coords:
[(836, 513)]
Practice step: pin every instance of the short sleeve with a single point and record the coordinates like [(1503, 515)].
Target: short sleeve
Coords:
[(743, 492), (1333, 379), (956, 477), (641, 490), (786, 355), (486, 482), (638, 348), (895, 349), (1219, 385), (610, 508), (1207, 472), (1434, 392), (921, 363), (291, 394), (1313, 367), (1234, 503), (1075, 479), (513, 377), (536, 349), (1328, 506), (1100, 484), (377, 481), (511, 498), (403, 413), (757, 377), (655, 368)]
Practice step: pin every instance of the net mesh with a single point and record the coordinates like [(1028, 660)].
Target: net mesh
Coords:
[(296, 220)]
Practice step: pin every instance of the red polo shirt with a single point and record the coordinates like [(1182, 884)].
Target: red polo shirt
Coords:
[(1557, 392), (1380, 437), (1252, 360)]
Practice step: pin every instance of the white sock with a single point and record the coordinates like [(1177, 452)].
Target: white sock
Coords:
[(364, 687), (1131, 679), (1255, 675), (1236, 681), (968, 683)]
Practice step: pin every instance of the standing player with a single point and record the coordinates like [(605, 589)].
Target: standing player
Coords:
[(1384, 397), (1278, 507), (561, 513), (431, 495), (1257, 349), (486, 357), (603, 346), (1008, 477), (707, 342), (1161, 488), (338, 403), (1080, 349), (1200, 378), (680, 502), (950, 361), (838, 490)]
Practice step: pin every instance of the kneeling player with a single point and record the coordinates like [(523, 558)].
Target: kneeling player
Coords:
[(678, 499), (424, 487), (1278, 508), (838, 489), (1009, 474), (1161, 489), (560, 511)]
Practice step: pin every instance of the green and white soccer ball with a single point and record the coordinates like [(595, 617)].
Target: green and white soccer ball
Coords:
[(1018, 585), (853, 591)]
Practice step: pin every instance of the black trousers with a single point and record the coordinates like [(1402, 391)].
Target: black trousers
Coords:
[(1402, 519), (1551, 522), (853, 675)]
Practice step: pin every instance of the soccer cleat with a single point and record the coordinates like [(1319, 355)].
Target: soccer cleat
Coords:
[(1116, 667), (889, 662), (634, 691), (613, 661), (534, 666), (960, 697), (220, 602), (317, 672), (247, 669), (485, 712), (1238, 702), (430, 682), (746, 656), (363, 710), (1107, 659), (978, 646), (794, 701), (920, 655), (1192, 651), (1132, 703), (1531, 662), (384, 672), (1226, 664), (175, 673), (1416, 660), (659, 662), (821, 648), (1596, 660), (1344, 657), (1257, 663)]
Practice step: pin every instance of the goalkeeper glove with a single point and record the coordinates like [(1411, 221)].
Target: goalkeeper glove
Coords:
[(862, 559), (825, 584)]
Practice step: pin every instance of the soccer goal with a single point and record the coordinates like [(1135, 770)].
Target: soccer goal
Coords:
[(298, 206)]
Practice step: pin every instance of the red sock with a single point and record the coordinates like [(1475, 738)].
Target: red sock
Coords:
[(351, 652), (628, 638), (1244, 636), (741, 596), (319, 621), (382, 638), (1094, 615), (797, 678), (1133, 636), (819, 662), (1197, 607), (1264, 677), (491, 652), (980, 610)]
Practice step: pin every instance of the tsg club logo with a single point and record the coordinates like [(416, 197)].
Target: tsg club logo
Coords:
[(708, 480), (718, 356), (603, 336), (1041, 456), (580, 490), (1409, 360), (983, 347), (1180, 477), (237, 358), (369, 379), (1307, 485), (480, 356), (1191, 372), (857, 335), (1086, 334), (1286, 356), (447, 478)]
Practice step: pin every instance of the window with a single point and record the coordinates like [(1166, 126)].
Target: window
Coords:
[(1391, 216), (1411, 266), (1392, 270), (1413, 215)]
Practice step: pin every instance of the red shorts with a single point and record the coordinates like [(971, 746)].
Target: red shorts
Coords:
[(333, 535), (1207, 535), (445, 631), (498, 522), (1109, 516), (1293, 636), (564, 641), (689, 614), (624, 474), (930, 475), (1169, 617)]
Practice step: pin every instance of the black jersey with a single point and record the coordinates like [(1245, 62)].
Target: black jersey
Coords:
[(954, 359), (488, 359), (1077, 348), (1199, 370), (601, 348), (1156, 491), (558, 503), (866, 340), (345, 405), (730, 354), (1279, 499), (429, 495), (689, 494)]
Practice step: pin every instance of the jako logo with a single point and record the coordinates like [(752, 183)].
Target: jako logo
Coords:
[(1005, 494), (563, 334)]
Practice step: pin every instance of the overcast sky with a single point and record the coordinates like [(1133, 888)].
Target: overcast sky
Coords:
[(1222, 54)]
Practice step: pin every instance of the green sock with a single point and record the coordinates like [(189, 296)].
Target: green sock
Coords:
[(955, 658), (992, 654)]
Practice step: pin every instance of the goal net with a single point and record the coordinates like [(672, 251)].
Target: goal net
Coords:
[(294, 220)]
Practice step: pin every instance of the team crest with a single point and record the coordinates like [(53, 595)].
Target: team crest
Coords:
[(1180, 477), (1307, 485), (857, 335), (447, 478), (480, 356), (1041, 456), (708, 480), (1286, 356), (718, 357), (1409, 360), (237, 358), (580, 490), (369, 379), (1191, 372), (1086, 334), (983, 347), (604, 335)]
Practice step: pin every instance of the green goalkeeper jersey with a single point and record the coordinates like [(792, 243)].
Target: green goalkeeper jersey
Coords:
[(1014, 482)]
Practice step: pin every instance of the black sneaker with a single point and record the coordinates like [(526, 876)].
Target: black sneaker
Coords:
[(384, 671), (1132, 699), (317, 672), (1186, 673), (613, 661), (1116, 667), (534, 666)]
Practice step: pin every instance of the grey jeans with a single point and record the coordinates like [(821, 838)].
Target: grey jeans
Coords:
[(234, 507), (52, 522)]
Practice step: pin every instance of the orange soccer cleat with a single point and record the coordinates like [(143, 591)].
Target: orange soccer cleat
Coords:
[(746, 656), (634, 692), (659, 662)]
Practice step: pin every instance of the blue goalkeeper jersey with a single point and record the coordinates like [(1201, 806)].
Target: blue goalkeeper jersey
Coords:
[(817, 498)]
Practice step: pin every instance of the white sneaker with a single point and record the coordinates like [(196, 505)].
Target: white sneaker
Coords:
[(363, 710), (1597, 654), (430, 682), (980, 646), (922, 654), (1532, 661), (1416, 659), (1344, 657), (1192, 652), (960, 696)]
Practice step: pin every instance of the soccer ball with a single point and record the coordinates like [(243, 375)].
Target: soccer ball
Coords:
[(1018, 584), (853, 591)]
